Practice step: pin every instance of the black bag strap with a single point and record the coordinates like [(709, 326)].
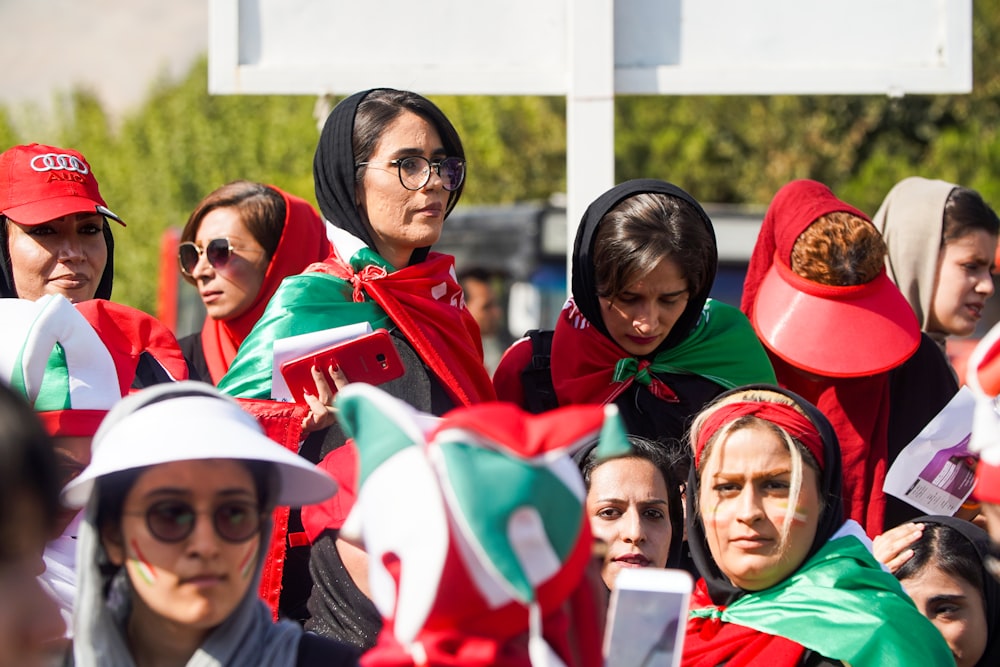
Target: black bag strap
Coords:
[(536, 378)]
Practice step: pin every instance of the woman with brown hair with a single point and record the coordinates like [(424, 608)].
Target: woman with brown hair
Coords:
[(640, 330), (239, 243)]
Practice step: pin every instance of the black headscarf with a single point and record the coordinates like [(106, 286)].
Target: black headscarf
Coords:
[(7, 289), (584, 281), (334, 173), (980, 541), (720, 589)]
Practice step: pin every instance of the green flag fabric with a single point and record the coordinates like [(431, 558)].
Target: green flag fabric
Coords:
[(304, 303), (843, 605), (722, 348)]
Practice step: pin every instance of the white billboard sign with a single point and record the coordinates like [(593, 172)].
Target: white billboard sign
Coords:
[(589, 50), (524, 47)]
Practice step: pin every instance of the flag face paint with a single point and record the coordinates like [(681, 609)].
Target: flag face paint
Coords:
[(801, 515), (246, 565), (143, 567), (746, 484)]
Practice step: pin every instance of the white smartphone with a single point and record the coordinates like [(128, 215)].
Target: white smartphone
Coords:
[(647, 617)]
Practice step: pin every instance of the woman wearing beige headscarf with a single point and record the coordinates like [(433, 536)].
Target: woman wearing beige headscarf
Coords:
[(942, 239)]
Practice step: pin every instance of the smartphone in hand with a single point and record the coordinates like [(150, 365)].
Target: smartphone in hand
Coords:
[(647, 618), (370, 358)]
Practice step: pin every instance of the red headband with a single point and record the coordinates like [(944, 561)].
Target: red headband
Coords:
[(785, 416)]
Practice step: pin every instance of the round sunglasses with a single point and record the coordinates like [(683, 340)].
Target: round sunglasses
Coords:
[(173, 521), (216, 251)]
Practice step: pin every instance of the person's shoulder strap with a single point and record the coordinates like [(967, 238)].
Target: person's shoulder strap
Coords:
[(539, 393)]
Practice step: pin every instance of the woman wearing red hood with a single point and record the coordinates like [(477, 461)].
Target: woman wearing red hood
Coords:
[(238, 245), (842, 335)]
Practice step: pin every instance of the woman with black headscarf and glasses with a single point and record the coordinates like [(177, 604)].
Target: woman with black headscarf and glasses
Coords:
[(786, 581), (388, 169)]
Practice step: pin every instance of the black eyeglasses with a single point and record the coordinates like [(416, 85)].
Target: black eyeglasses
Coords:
[(172, 521), (216, 251), (415, 171)]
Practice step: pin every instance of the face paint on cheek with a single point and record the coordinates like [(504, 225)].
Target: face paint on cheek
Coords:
[(713, 514), (145, 569), (799, 516), (246, 565)]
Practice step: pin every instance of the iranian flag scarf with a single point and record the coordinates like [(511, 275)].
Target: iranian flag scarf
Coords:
[(840, 604), (589, 367), (423, 300)]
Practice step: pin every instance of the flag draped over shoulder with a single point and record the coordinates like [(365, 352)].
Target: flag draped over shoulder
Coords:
[(423, 300), (588, 367), (840, 604)]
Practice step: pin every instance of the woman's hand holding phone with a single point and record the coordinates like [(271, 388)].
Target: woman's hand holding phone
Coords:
[(322, 414), (369, 358)]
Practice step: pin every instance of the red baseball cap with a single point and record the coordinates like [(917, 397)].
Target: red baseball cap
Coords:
[(39, 183), (835, 331)]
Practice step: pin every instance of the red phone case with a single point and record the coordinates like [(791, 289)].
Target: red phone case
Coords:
[(370, 358)]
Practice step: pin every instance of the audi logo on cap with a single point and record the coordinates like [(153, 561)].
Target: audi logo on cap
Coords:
[(51, 161)]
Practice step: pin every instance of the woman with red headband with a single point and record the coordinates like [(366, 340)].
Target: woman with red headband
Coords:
[(841, 334), (786, 581)]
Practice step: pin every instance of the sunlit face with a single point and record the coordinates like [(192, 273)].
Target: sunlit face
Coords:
[(403, 220), (194, 584), (63, 256), (29, 618), (641, 317), (72, 456), (627, 506), (955, 608), (744, 501), (963, 283), (230, 290)]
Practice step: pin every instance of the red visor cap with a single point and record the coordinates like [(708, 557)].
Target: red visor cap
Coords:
[(835, 331)]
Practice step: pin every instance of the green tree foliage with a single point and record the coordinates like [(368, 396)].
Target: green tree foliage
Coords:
[(160, 160), (157, 162), (743, 148), (516, 146)]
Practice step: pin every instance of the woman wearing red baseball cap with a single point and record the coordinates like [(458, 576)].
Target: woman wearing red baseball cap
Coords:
[(53, 226)]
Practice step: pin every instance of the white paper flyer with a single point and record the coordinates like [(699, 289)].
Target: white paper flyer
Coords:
[(936, 472)]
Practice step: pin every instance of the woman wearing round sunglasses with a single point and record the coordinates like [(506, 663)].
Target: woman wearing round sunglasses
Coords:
[(175, 534), (237, 246), (388, 169)]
